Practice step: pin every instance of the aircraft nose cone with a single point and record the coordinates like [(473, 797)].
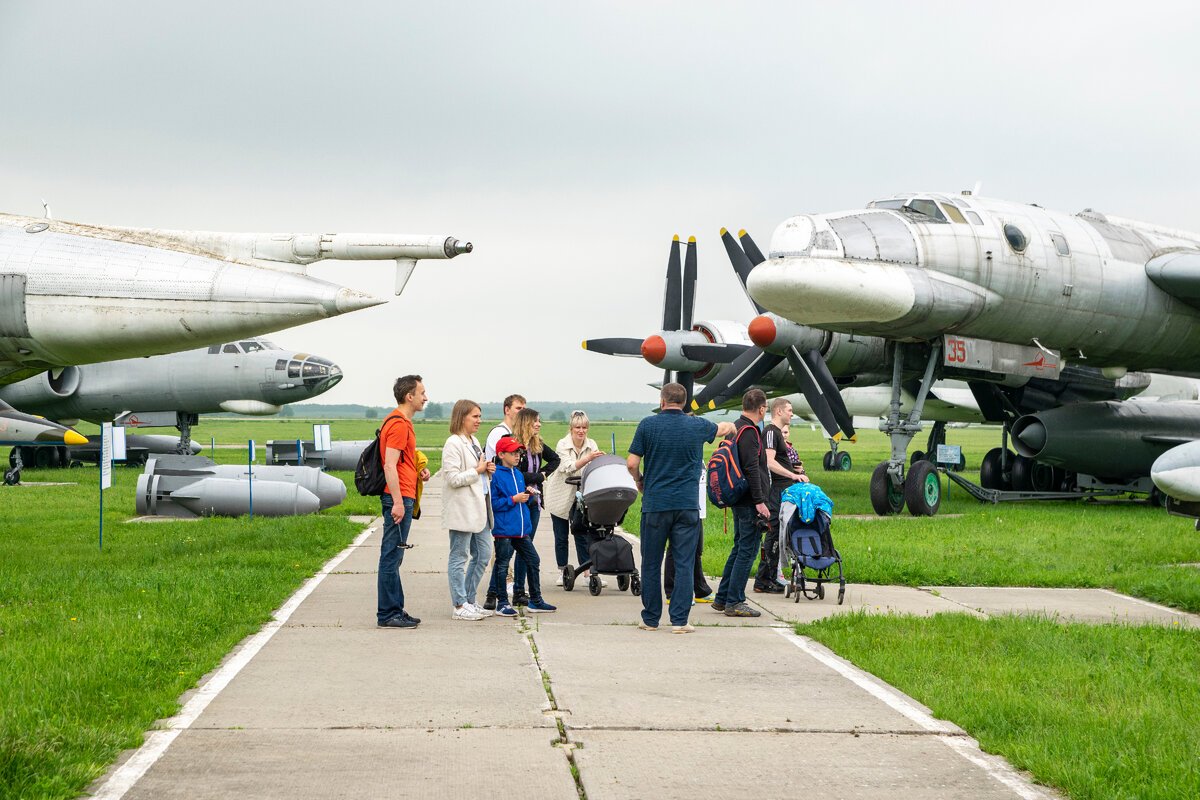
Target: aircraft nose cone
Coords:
[(1033, 436), (347, 300), (814, 291), (762, 331), (74, 438), (654, 349)]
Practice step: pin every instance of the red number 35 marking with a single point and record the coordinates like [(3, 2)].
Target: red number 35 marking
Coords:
[(957, 352)]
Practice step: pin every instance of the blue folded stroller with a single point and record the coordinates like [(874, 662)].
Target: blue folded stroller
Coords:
[(805, 517)]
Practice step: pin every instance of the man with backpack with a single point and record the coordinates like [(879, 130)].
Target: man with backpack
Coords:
[(672, 446), (750, 511), (398, 451)]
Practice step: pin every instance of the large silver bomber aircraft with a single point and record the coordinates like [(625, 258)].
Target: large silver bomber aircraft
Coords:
[(971, 287), (73, 294)]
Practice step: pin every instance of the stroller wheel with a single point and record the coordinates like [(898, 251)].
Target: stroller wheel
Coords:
[(622, 582), (594, 584), (568, 578), (635, 585), (841, 592), (820, 591)]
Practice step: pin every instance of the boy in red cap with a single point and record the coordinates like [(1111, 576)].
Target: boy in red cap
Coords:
[(512, 529)]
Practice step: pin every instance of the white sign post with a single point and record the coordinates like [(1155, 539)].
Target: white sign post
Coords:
[(106, 442), (118, 444), (250, 475)]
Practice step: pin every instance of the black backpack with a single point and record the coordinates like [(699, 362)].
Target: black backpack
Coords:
[(368, 473)]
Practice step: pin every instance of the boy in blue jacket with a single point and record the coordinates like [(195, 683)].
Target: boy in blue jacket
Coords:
[(512, 530)]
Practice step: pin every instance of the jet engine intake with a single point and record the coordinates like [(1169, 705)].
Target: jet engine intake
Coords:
[(47, 388)]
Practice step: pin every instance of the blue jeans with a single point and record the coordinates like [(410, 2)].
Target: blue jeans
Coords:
[(682, 530), (464, 580), (504, 551), (520, 571), (391, 556), (562, 537), (746, 537)]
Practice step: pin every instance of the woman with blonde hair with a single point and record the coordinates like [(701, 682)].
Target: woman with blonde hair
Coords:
[(538, 461), (466, 509), (576, 451)]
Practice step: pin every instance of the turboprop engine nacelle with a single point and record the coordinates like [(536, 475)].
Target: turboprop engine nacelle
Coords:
[(775, 334)]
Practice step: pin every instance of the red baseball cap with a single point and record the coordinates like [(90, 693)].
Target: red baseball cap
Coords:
[(508, 444)]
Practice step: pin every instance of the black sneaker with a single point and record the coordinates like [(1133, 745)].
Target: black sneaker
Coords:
[(490, 602), (773, 588), (520, 599), (410, 617), (742, 610), (718, 606), (399, 622)]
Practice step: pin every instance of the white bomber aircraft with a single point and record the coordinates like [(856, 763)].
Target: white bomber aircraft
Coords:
[(977, 288)]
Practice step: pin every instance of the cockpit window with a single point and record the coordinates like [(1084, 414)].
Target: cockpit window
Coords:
[(926, 208), (216, 348), (1060, 244), (954, 214), (975, 218), (230, 348), (894, 205), (252, 347), (1016, 238)]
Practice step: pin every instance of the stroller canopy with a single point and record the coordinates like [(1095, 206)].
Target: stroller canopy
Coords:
[(808, 498)]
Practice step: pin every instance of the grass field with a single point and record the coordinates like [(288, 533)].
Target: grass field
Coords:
[(96, 645), (1098, 711)]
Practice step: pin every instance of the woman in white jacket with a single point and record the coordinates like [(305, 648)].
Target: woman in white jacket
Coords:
[(576, 451), (466, 509)]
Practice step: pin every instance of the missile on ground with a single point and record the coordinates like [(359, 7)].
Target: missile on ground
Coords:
[(1111, 440), (341, 455), (189, 486)]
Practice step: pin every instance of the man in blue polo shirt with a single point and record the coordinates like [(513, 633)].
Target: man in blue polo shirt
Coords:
[(672, 444)]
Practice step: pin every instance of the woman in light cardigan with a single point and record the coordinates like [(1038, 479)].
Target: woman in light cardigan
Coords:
[(576, 451), (466, 509)]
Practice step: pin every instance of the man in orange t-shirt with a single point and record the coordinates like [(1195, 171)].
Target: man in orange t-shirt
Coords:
[(398, 451)]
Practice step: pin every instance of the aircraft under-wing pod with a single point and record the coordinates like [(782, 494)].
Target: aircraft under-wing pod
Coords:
[(975, 288), (75, 294)]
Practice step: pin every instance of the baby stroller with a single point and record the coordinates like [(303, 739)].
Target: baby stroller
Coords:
[(606, 491), (809, 545)]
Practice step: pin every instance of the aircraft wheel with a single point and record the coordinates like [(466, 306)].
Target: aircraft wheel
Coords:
[(917, 455), (568, 578), (42, 456), (990, 474), (885, 498), (843, 462), (1039, 477), (962, 463), (12, 477), (923, 490), (622, 582), (827, 461)]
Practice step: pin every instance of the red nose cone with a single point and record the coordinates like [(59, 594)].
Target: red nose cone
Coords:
[(654, 349), (762, 332)]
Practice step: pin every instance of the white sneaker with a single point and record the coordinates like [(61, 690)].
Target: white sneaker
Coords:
[(558, 580), (480, 610), (466, 612)]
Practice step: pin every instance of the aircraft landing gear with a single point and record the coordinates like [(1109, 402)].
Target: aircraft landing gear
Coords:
[(921, 488), (12, 476), (183, 423), (833, 461)]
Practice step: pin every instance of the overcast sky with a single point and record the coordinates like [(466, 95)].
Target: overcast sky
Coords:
[(570, 140)]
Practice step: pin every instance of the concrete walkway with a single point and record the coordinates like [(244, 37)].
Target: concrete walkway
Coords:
[(574, 704)]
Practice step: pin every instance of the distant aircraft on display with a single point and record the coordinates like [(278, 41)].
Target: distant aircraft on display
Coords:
[(73, 294), (982, 290), (253, 376), (17, 428)]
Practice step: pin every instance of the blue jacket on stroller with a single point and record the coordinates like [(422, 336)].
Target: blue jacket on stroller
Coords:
[(805, 516)]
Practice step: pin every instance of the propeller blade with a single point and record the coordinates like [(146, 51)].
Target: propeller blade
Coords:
[(811, 389), (689, 285), (732, 381), (752, 252), (820, 370), (741, 265), (714, 353), (673, 296), (667, 377), (689, 383), (615, 346)]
